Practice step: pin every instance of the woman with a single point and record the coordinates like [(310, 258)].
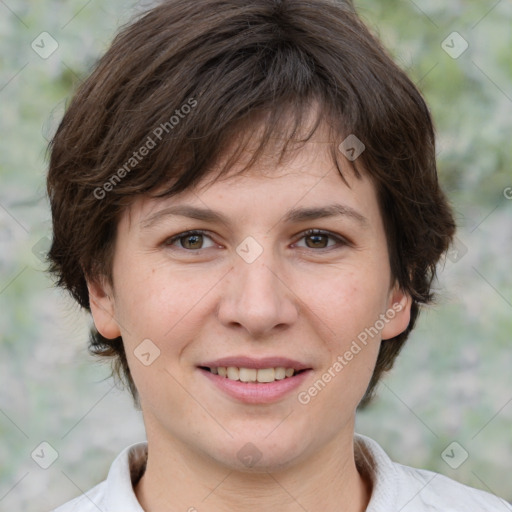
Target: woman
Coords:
[(245, 197)]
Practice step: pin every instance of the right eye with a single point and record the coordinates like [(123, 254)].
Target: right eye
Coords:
[(189, 240)]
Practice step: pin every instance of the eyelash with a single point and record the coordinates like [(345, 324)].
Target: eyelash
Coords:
[(340, 240)]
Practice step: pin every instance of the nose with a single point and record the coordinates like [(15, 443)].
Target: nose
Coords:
[(257, 297)]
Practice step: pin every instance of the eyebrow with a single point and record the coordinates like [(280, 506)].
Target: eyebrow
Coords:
[(294, 215)]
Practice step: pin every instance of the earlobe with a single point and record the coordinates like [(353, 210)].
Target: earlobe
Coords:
[(103, 308), (398, 313)]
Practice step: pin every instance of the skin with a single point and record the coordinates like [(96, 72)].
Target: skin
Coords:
[(304, 297)]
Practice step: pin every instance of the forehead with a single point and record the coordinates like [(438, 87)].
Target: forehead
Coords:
[(266, 143), (293, 190), (300, 164)]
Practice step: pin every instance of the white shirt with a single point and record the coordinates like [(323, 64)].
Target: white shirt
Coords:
[(394, 487)]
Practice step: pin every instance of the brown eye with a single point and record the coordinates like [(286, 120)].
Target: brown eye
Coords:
[(189, 240), (317, 241)]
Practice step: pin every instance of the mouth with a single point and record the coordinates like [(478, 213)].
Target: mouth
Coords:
[(260, 375), (255, 381)]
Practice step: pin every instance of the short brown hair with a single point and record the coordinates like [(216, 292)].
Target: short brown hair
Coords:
[(233, 62)]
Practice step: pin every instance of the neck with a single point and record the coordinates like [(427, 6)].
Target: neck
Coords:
[(177, 478)]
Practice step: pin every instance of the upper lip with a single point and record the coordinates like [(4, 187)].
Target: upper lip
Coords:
[(250, 362)]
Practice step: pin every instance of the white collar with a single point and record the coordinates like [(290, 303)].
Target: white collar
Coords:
[(371, 461), (394, 486)]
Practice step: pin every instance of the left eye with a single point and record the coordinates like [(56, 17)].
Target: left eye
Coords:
[(319, 239)]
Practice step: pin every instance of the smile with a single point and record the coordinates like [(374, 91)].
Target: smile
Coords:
[(255, 381), (262, 375)]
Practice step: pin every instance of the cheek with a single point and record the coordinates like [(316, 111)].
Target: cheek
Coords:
[(345, 303), (163, 304), (146, 305), (344, 311)]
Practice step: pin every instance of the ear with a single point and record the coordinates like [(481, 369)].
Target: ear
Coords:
[(398, 313), (103, 308)]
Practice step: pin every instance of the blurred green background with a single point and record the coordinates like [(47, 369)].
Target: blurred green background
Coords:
[(451, 383)]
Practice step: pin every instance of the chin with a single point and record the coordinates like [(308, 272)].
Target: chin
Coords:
[(259, 456)]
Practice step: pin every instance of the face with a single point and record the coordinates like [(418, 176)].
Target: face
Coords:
[(286, 271)]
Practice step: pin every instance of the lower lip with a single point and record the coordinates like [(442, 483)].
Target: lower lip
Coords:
[(256, 392)]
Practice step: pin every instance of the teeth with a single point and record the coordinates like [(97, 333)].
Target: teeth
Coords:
[(248, 374), (253, 374), (266, 375), (233, 373), (280, 373)]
